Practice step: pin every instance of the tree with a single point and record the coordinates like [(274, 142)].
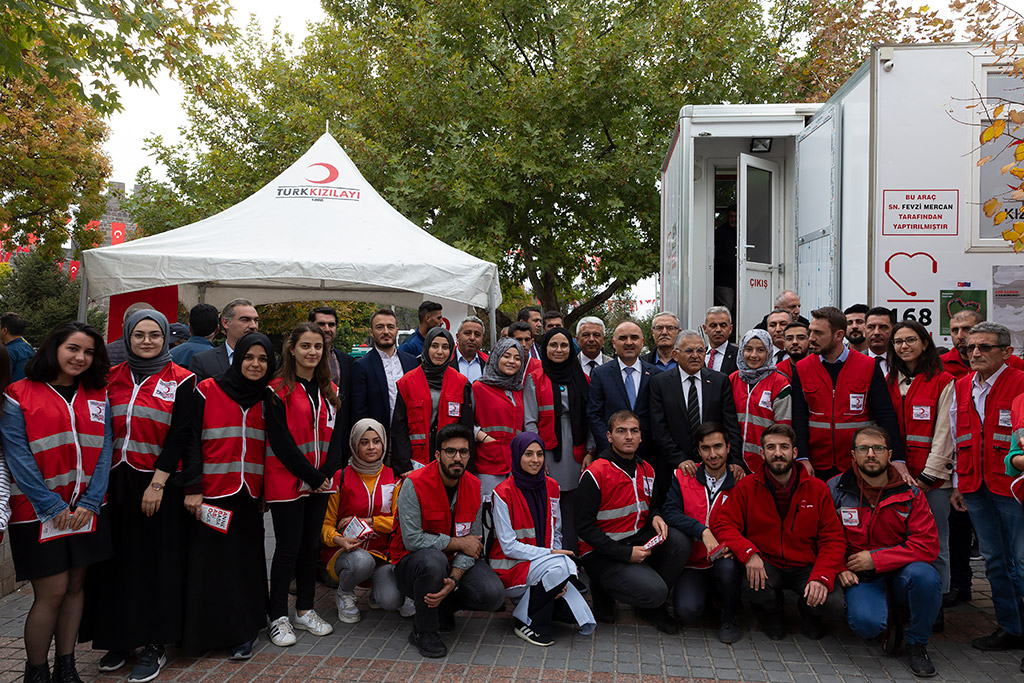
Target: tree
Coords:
[(37, 290), (54, 170), (63, 42)]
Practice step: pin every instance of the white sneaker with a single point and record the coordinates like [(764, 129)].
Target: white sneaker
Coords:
[(311, 621), (408, 609), (347, 610), (281, 632), (373, 603)]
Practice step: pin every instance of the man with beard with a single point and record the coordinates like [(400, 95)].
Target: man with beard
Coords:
[(468, 359), (856, 327), (798, 341), (534, 319), (879, 325), (955, 361), (721, 355), (664, 328), (781, 524), (891, 541), (775, 324), (437, 543), (375, 376)]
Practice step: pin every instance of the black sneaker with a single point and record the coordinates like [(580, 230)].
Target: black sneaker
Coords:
[(773, 623), (114, 660), (241, 652), (663, 621), (531, 636), (918, 661), (151, 662), (892, 639), (811, 626), (729, 632), (996, 641), (429, 644)]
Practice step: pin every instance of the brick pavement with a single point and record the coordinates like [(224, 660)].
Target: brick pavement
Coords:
[(484, 650)]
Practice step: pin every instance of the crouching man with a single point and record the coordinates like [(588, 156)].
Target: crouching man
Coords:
[(436, 544), (891, 541)]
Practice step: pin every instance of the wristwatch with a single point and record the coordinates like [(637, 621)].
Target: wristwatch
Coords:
[(457, 583), (156, 486)]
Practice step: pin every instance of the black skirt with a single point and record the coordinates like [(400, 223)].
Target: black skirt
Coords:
[(136, 597), (35, 560), (226, 588)]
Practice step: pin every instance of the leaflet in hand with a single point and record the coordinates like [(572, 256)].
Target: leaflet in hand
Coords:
[(215, 517), (48, 532), (720, 550), (357, 528), (657, 540)]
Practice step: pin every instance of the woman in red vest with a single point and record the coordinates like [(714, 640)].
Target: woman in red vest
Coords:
[(499, 412), (303, 466), (356, 531), (760, 392), (152, 403), (528, 557), (226, 593), (429, 397), (57, 442), (922, 394), (557, 410)]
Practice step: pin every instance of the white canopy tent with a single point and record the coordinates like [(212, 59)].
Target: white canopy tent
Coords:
[(317, 231)]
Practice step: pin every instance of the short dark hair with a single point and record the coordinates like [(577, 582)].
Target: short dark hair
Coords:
[(619, 416), (43, 367), (857, 308), (872, 430), (427, 307), (551, 315), (203, 320), (519, 326), (796, 323), (524, 313), (706, 429), (780, 310), (780, 430), (882, 310), (382, 311), (455, 430), (13, 323), (835, 318), (322, 310)]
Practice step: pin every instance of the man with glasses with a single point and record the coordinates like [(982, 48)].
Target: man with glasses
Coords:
[(436, 545), (664, 327), (955, 361), (721, 355), (981, 427), (891, 541)]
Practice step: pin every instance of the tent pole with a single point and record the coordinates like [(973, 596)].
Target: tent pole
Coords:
[(491, 310), (83, 297)]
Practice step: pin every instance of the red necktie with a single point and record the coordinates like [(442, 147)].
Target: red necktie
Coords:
[(711, 359)]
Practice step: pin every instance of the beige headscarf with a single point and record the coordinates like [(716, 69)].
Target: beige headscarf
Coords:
[(358, 429)]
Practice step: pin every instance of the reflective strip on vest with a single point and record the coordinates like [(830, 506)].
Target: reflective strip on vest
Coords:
[(417, 437), (234, 467), (1018, 434), (819, 425), (919, 439), (963, 438), (1001, 437), (145, 412), (138, 446), (853, 425), (233, 432), (618, 513), (550, 407), (525, 533), (52, 441), (619, 535), (751, 448), (502, 563), (758, 420), (54, 482), (498, 428)]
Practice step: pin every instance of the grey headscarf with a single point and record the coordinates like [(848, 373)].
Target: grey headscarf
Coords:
[(492, 376), (358, 429), (747, 374), (144, 367)]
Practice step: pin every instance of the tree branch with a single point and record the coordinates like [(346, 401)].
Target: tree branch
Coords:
[(522, 52), (592, 303), (611, 143)]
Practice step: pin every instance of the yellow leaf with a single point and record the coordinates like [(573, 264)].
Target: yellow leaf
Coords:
[(1018, 173), (1000, 217), (1017, 194), (991, 206), (993, 131), (1010, 235), (984, 160), (1004, 169), (1018, 246), (999, 110), (1018, 153), (1017, 116), (1019, 64)]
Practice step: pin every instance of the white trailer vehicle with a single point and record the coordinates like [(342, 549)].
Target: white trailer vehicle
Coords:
[(873, 197)]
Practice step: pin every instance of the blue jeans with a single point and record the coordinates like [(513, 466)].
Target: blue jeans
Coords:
[(916, 586), (999, 523)]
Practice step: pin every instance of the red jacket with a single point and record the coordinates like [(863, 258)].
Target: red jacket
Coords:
[(954, 365), (916, 413), (981, 448), (809, 536), (755, 409), (898, 531)]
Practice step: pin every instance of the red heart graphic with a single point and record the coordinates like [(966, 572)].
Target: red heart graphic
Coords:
[(964, 305)]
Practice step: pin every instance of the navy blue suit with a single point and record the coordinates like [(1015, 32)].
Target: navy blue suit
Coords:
[(608, 396), (370, 387)]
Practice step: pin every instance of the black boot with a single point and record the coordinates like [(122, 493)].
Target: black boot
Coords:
[(64, 670), (39, 673)]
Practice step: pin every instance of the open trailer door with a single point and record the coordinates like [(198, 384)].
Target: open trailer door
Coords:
[(759, 219)]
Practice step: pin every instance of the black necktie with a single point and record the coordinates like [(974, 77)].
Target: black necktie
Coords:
[(591, 364), (693, 411)]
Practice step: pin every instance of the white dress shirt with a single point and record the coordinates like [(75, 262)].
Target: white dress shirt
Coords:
[(231, 352), (585, 362), (471, 369), (393, 371), (635, 376), (979, 392), (716, 364), (884, 364), (686, 391)]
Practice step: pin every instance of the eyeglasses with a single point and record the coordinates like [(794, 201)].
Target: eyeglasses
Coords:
[(665, 328), (907, 341), (452, 452), (985, 348), (152, 336), (876, 448)]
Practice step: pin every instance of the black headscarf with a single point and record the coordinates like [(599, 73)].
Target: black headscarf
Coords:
[(240, 389), (435, 373), (568, 374), (534, 487), (144, 367)]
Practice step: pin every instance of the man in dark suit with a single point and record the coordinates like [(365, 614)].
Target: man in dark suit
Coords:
[(326, 318), (721, 354), (238, 319), (375, 376), (609, 392), (664, 328), (681, 400)]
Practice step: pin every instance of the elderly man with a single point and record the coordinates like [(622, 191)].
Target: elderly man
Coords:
[(721, 355), (238, 319), (469, 359), (955, 361), (590, 338), (786, 300), (664, 328)]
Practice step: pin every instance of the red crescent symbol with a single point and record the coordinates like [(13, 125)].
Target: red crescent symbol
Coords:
[(332, 174)]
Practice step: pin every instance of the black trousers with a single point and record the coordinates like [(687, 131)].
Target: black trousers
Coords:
[(644, 585), (961, 532), (422, 572), (297, 525), (770, 597), (694, 586)]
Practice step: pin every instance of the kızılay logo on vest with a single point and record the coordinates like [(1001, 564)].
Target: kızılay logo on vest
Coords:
[(320, 188)]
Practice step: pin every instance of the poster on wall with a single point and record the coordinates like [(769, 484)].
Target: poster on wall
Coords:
[(958, 297), (1008, 301)]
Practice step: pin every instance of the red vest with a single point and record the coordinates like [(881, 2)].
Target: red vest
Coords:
[(786, 367), (835, 414), (513, 572), (917, 412), (418, 407), (66, 440), (981, 449), (354, 500), (546, 415), (698, 506), (312, 435), (502, 419), (954, 365), (755, 412), (233, 444), (436, 517), (625, 500), (141, 413)]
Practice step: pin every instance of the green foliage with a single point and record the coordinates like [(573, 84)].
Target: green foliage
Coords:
[(43, 42), (36, 290), (278, 320)]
